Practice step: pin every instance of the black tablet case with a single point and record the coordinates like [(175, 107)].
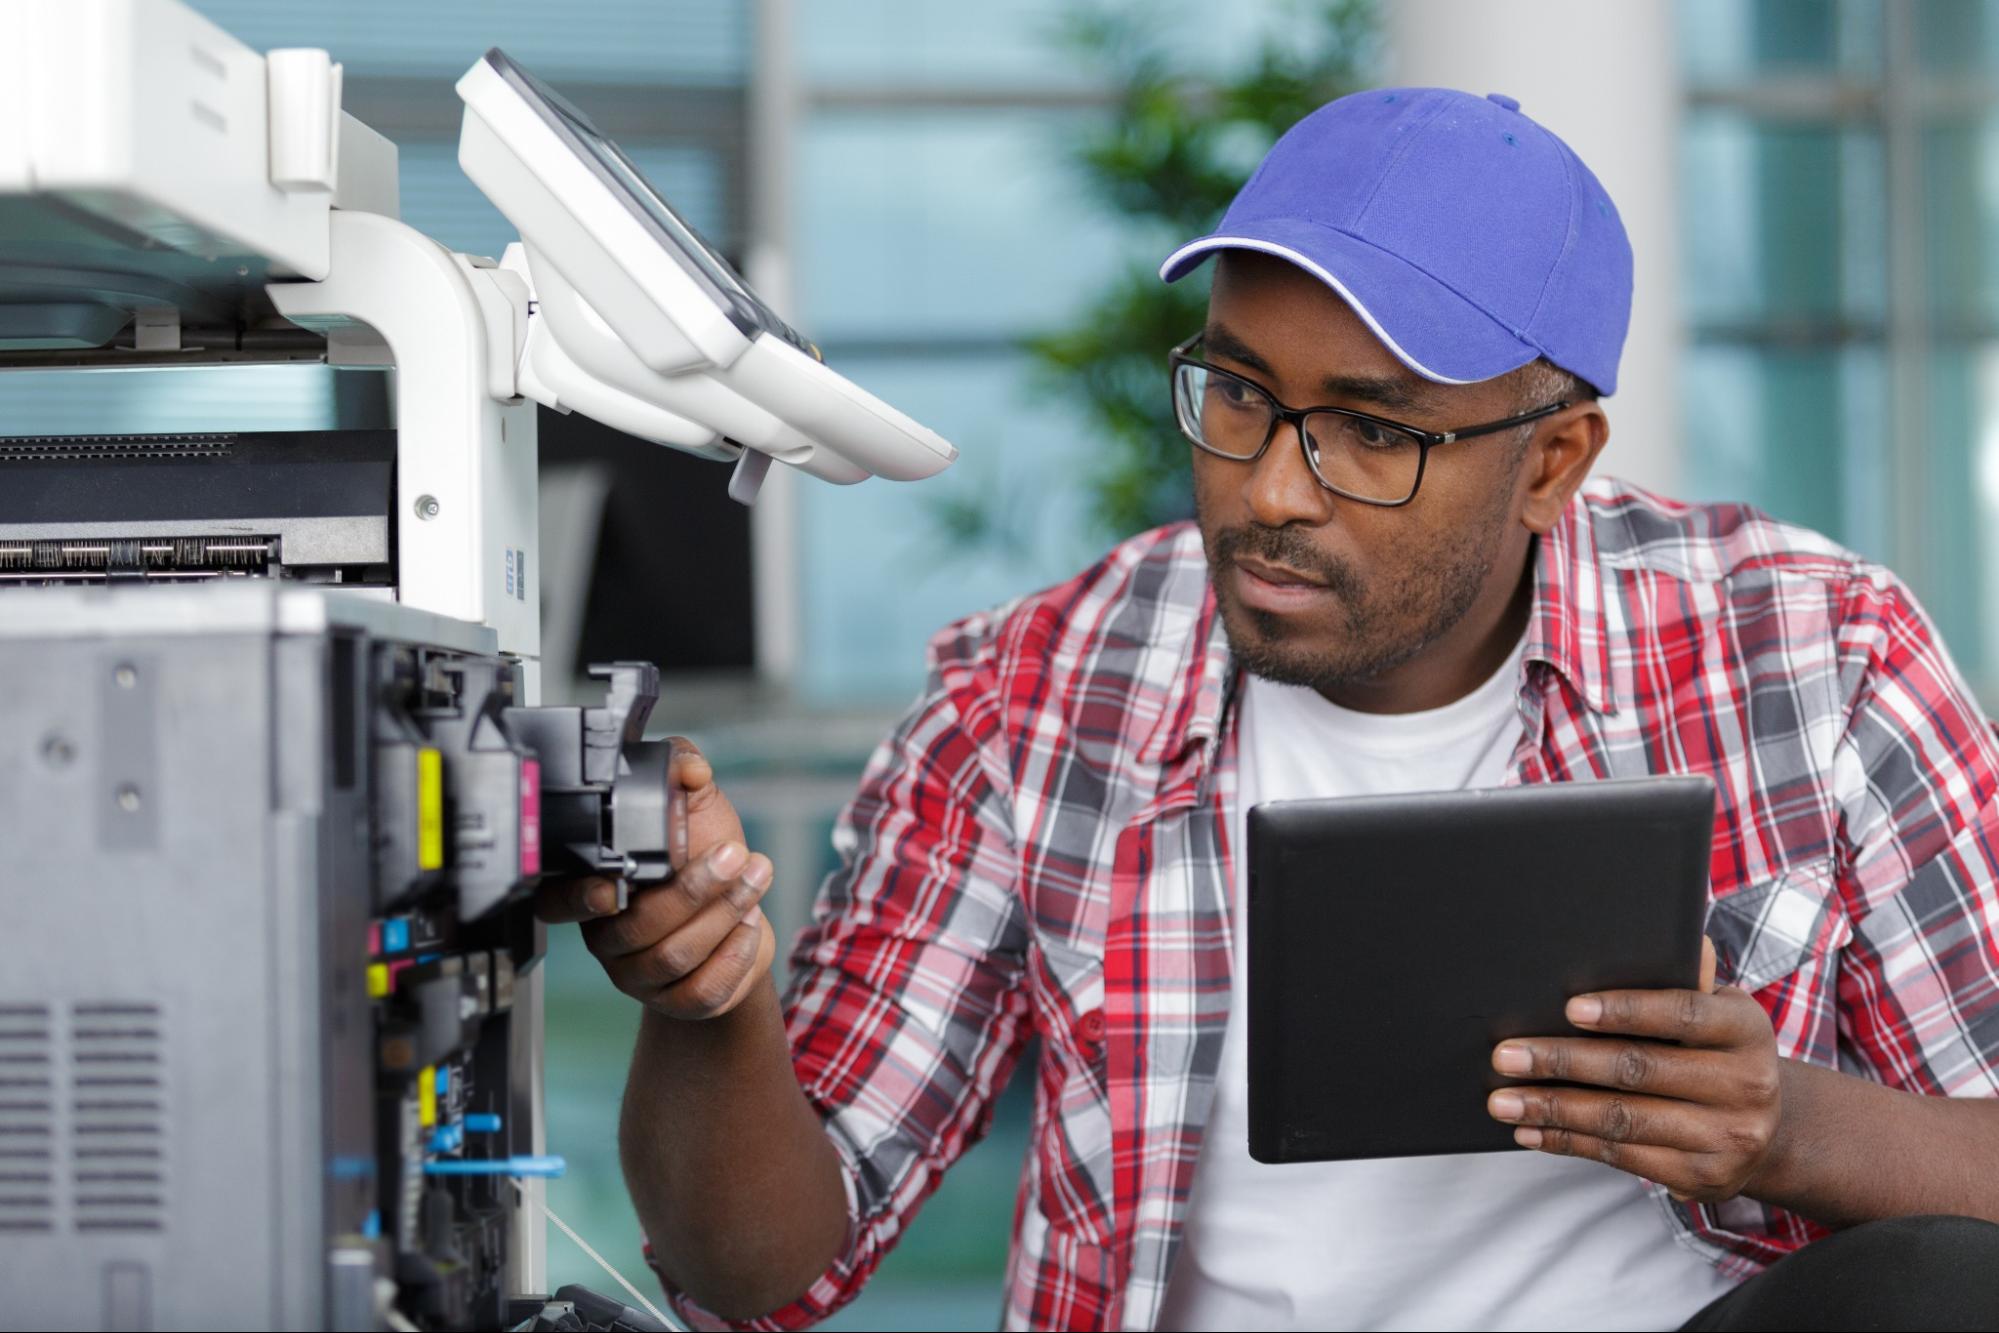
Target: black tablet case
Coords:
[(1393, 941)]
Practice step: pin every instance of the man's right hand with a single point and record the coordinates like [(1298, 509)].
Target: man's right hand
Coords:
[(695, 946)]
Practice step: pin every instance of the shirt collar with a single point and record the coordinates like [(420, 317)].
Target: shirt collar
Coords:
[(1567, 628), (1207, 675)]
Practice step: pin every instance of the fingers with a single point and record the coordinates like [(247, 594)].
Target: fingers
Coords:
[(692, 947), (1630, 1066), (729, 873), (1727, 1017), (1698, 1121), (1685, 1093), (1611, 1117), (1687, 1175), (576, 899), (1708, 1177), (684, 951), (721, 983)]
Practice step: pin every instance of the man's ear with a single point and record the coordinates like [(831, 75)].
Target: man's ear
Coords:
[(1558, 458)]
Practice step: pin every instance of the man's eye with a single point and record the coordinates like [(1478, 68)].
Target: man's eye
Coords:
[(1232, 393), (1372, 436), (1356, 434)]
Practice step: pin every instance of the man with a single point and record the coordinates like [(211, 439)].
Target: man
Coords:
[(1407, 590)]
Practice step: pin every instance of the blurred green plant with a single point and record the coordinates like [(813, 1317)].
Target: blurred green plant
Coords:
[(984, 511), (1168, 158)]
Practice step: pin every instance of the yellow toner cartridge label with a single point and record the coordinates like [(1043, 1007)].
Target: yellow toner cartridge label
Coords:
[(429, 809)]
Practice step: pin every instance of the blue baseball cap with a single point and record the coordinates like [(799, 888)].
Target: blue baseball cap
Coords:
[(1467, 237)]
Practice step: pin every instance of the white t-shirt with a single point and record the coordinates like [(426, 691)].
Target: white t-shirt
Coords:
[(1478, 1241)]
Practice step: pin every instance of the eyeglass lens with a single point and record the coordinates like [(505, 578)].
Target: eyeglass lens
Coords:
[(1360, 458)]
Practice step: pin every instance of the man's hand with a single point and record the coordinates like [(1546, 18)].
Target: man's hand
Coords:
[(1686, 1092), (696, 945)]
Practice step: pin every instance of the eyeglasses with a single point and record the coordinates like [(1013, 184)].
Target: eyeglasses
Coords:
[(1365, 458)]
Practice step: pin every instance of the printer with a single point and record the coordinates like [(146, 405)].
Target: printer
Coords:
[(276, 779)]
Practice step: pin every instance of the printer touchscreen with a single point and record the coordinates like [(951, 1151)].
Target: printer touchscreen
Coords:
[(746, 310)]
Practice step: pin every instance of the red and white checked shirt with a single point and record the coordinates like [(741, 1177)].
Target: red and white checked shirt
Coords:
[(1041, 849)]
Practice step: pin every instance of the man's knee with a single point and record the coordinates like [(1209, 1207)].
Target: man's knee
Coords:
[(1944, 1269), (1929, 1272), (1922, 1249)]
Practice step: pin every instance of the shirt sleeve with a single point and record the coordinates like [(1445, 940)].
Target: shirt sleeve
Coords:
[(1916, 776), (906, 1009)]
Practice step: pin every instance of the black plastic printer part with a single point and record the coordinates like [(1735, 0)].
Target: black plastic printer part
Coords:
[(607, 801), (112, 478), (604, 1312)]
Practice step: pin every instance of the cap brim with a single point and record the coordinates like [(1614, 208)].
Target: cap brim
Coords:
[(1430, 328)]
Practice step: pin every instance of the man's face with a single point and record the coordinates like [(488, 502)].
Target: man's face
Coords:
[(1316, 589)]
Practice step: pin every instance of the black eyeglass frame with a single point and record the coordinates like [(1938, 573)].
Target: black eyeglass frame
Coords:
[(1283, 412)]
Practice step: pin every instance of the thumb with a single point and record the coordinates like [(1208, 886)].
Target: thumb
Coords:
[(699, 816), (689, 769), (1707, 964)]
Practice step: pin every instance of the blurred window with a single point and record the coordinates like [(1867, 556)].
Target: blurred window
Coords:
[(930, 241), (1841, 174), (937, 221), (636, 41)]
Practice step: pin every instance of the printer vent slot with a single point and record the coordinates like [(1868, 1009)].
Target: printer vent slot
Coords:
[(118, 1116), (91, 448), (27, 1120)]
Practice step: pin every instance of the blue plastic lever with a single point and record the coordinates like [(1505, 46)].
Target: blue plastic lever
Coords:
[(497, 1166)]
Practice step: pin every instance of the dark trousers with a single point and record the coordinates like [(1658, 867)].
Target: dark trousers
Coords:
[(1903, 1273)]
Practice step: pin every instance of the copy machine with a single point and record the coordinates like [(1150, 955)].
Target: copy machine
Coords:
[(275, 776)]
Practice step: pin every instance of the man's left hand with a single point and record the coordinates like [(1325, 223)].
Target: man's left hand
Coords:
[(1683, 1088)]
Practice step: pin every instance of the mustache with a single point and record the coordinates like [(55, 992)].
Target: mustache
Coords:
[(1284, 546)]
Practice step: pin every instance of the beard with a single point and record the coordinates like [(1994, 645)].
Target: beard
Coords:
[(1373, 629)]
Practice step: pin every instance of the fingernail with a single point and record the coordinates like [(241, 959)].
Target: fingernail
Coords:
[(1585, 1009), (602, 898), (1527, 1136), (1508, 1105), (757, 875), (728, 858), (1511, 1059)]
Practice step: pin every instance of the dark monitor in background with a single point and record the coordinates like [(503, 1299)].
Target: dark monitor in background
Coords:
[(657, 551), (644, 557)]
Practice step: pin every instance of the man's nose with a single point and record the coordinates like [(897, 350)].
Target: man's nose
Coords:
[(1281, 488)]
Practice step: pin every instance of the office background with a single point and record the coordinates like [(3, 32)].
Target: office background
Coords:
[(1813, 187)]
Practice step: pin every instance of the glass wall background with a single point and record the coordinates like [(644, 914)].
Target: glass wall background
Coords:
[(1841, 224), (937, 224)]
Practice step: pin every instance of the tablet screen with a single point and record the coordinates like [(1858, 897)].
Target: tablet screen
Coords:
[(1406, 936)]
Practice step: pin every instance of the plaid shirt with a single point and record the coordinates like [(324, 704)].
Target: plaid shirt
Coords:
[(1040, 849)]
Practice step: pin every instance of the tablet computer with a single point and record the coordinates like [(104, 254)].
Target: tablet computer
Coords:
[(1393, 941)]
